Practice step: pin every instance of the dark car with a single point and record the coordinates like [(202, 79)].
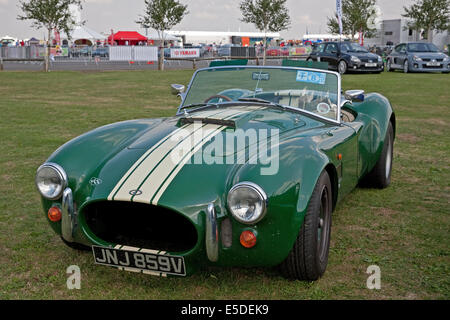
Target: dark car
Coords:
[(101, 52), (418, 57), (225, 50), (347, 56), (80, 52)]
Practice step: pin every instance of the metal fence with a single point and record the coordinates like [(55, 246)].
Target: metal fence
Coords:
[(243, 52), (28, 52), (140, 53)]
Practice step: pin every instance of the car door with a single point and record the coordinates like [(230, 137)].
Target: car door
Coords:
[(342, 145), (318, 52), (400, 56), (330, 55)]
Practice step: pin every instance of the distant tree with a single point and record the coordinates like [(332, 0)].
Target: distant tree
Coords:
[(429, 15), (357, 15), (162, 15), (266, 15), (49, 14)]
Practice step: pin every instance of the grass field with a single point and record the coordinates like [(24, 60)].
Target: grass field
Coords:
[(404, 229)]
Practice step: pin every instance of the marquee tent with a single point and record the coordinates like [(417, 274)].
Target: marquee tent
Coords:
[(82, 35), (131, 38), (167, 37)]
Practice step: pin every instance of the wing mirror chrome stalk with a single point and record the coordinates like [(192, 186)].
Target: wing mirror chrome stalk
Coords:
[(178, 90), (354, 95)]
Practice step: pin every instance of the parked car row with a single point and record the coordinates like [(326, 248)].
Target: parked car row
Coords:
[(89, 52), (409, 57), (418, 57), (346, 56)]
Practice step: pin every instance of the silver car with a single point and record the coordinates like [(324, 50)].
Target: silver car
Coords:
[(418, 57)]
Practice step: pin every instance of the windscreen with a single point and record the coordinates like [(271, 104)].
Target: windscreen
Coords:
[(422, 47), (314, 91), (352, 47)]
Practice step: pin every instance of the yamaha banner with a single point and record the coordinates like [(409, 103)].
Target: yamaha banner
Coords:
[(339, 14)]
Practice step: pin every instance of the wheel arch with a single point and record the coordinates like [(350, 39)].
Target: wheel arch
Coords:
[(332, 173)]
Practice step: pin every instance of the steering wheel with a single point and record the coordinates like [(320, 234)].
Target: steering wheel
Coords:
[(218, 96)]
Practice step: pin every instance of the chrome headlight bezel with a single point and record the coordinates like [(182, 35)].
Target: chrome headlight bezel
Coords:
[(257, 191), (417, 58), (60, 174)]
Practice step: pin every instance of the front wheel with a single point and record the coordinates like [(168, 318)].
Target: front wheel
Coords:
[(406, 67), (308, 258), (342, 67), (389, 66)]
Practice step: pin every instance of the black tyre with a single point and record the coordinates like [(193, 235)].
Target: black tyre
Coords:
[(406, 67), (380, 176), (342, 67), (75, 246), (308, 258)]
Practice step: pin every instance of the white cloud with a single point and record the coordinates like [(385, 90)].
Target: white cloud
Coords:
[(214, 15)]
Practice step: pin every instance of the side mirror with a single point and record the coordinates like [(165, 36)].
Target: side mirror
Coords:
[(177, 89), (355, 95)]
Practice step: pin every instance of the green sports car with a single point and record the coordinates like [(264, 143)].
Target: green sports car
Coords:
[(247, 173)]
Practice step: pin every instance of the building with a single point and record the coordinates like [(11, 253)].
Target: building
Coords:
[(393, 32), (217, 37), (326, 37)]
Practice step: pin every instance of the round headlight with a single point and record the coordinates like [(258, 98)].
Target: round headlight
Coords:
[(247, 202), (51, 180)]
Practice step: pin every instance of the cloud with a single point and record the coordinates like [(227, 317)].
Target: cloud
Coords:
[(204, 15)]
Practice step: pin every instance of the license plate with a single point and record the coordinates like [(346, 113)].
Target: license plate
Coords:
[(433, 64), (371, 65), (140, 260)]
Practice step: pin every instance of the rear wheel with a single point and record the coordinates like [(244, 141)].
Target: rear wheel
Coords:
[(380, 176), (308, 258)]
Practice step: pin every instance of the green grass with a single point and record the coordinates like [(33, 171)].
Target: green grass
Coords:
[(403, 229)]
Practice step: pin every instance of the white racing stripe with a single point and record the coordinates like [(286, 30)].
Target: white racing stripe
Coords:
[(158, 167), (180, 166), (166, 144), (157, 177)]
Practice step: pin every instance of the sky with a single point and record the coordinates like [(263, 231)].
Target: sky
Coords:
[(204, 15)]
